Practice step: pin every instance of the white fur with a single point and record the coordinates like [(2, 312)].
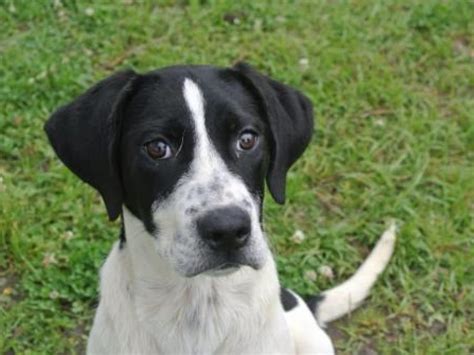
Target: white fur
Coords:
[(307, 335), (149, 306), (146, 307)]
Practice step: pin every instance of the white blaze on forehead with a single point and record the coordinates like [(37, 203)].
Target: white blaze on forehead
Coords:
[(195, 102)]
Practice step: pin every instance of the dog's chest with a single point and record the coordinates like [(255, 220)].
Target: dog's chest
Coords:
[(211, 316), (206, 318), (189, 318)]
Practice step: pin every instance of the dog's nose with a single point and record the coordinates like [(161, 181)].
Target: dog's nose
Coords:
[(225, 228)]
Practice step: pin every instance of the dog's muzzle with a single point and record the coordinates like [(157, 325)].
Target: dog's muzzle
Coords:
[(227, 241)]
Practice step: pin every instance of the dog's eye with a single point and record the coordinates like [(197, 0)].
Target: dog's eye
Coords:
[(247, 140), (158, 149)]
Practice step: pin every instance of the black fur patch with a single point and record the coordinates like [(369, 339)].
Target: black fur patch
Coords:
[(313, 302), (102, 135), (122, 238), (288, 300)]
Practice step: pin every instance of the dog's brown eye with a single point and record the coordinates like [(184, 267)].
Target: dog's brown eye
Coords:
[(247, 140), (158, 149)]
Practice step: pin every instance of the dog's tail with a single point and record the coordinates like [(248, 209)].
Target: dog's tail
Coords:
[(340, 300)]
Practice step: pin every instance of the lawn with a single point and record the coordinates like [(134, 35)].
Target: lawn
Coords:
[(392, 84)]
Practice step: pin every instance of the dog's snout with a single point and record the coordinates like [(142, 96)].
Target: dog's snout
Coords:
[(225, 228)]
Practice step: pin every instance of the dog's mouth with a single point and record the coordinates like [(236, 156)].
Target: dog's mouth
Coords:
[(223, 269), (228, 265), (222, 263)]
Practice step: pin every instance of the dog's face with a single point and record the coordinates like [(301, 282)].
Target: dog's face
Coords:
[(193, 169), (187, 150)]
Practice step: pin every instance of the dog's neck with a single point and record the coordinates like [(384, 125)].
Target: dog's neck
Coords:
[(217, 305)]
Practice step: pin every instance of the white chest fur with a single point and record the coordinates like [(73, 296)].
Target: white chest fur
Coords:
[(160, 312)]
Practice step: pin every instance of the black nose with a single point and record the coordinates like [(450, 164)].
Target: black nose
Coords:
[(225, 228)]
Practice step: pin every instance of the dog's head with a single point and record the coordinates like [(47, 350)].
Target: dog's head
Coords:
[(187, 150)]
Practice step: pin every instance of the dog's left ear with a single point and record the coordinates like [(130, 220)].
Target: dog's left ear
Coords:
[(84, 134), (290, 116)]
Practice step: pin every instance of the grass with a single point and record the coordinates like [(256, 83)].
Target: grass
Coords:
[(392, 84)]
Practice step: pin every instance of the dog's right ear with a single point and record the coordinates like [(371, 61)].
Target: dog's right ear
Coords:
[(289, 115), (83, 134)]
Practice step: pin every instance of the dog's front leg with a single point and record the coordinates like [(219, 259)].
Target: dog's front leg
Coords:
[(308, 337)]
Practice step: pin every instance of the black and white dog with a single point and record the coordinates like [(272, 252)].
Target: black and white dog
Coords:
[(182, 155)]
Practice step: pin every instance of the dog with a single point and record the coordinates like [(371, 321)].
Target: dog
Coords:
[(182, 154)]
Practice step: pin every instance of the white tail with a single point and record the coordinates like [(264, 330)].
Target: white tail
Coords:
[(340, 300)]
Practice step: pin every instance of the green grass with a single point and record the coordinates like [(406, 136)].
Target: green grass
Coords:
[(392, 84)]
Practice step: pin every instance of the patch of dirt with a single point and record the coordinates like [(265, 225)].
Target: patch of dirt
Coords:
[(367, 349), (437, 328), (336, 334), (79, 336), (462, 46), (9, 292), (234, 18)]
